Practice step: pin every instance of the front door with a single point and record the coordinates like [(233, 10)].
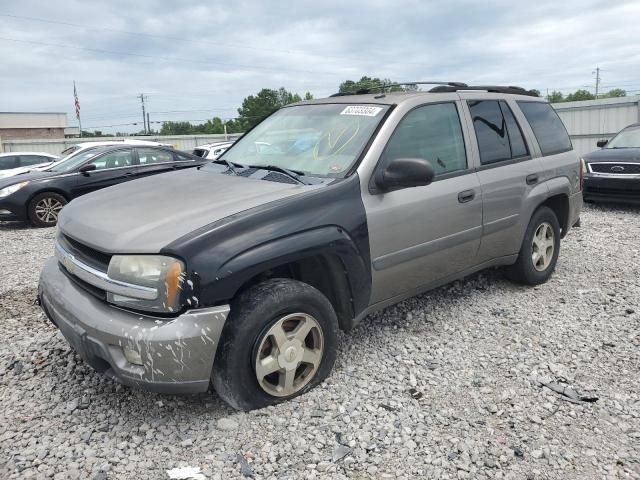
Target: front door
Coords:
[(111, 168), (421, 235)]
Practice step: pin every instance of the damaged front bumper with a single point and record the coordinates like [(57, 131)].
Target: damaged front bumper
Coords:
[(170, 355)]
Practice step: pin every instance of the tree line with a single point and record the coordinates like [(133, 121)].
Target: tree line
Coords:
[(256, 107)]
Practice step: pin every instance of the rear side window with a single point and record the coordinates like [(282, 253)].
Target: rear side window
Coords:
[(516, 139), (8, 162), (151, 155), (200, 152), (28, 160), (549, 130), (431, 132)]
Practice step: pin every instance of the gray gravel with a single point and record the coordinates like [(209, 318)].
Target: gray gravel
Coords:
[(450, 384)]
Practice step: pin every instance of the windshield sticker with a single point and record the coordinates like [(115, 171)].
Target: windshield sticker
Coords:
[(361, 110)]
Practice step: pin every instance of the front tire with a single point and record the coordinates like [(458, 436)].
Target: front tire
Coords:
[(279, 342), (44, 209), (539, 251)]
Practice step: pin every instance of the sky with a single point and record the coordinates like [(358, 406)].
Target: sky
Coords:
[(194, 60)]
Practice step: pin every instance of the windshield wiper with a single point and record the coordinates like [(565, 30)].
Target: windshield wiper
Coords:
[(295, 174), (232, 166)]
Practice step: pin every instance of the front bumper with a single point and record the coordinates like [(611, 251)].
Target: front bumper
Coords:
[(177, 353), (612, 188)]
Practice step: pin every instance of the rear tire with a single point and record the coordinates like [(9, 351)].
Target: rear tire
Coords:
[(539, 251), (279, 342), (44, 208)]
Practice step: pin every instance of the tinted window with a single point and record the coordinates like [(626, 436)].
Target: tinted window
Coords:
[(516, 139), (431, 132), (546, 125), (27, 160), (200, 152), (117, 159), (151, 155), (8, 162), (183, 158), (491, 131)]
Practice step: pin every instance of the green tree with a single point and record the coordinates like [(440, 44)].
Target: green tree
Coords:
[(579, 95), (308, 96), (256, 107), (176, 128), (370, 82), (616, 92), (535, 92), (555, 97)]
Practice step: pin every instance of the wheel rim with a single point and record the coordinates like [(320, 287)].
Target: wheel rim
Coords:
[(543, 246), (289, 354), (47, 210)]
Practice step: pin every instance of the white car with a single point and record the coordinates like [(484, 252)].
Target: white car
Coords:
[(79, 147), (212, 150), (14, 163)]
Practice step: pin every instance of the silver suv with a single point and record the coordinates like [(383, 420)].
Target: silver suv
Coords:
[(240, 273)]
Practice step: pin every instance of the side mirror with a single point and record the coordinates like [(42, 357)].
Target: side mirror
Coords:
[(404, 173), (602, 143), (87, 168)]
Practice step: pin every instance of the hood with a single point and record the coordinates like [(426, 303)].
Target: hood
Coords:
[(143, 216), (20, 175), (614, 155)]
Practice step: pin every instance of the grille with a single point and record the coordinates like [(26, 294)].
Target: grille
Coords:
[(627, 168), (613, 191), (87, 255)]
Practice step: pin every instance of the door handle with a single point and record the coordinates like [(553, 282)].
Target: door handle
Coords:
[(532, 179), (466, 196)]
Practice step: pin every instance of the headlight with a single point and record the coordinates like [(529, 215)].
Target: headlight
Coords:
[(6, 191), (165, 274)]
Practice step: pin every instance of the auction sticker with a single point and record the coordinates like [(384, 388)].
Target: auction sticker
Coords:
[(362, 110)]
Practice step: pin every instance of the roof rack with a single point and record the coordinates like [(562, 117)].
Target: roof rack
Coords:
[(487, 88), (383, 86)]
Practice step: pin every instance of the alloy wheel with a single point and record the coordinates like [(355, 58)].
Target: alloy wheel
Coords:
[(47, 210), (542, 247), (289, 354)]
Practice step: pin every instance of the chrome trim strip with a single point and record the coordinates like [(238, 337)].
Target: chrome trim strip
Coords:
[(611, 164), (100, 279)]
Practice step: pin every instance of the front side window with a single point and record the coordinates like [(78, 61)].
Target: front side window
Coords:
[(117, 159), (433, 133), (547, 127), (10, 161), (74, 160), (627, 138), (147, 156), (321, 139)]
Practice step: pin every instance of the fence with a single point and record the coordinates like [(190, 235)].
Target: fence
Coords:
[(591, 120), (55, 146)]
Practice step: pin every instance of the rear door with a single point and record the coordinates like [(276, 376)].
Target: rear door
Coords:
[(112, 168), (508, 173), (421, 235)]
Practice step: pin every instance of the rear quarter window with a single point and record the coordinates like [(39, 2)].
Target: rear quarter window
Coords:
[(549, 130)]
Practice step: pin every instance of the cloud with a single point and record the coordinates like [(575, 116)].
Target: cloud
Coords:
[(199, 59)]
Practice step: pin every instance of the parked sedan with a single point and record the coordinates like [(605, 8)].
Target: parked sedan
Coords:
[(38, 196), (613, 172), (14, 163)]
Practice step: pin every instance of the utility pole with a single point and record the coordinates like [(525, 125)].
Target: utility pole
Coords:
[(148, 123), (144, 116), (597, 72)]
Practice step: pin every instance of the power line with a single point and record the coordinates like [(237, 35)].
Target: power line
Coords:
[(169, 59)]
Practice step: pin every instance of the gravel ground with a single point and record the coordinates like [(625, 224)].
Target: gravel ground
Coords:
[(450, 384)]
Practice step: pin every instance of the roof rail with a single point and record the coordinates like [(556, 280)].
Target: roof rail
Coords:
[(487, 88), (383, 86)]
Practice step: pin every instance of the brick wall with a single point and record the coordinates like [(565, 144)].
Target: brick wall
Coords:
[(30, 133)]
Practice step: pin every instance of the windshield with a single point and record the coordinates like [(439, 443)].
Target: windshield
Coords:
[(627, 138), (322, 140), (73, 161)]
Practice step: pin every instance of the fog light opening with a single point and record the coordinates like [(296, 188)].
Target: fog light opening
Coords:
[(132, 356)]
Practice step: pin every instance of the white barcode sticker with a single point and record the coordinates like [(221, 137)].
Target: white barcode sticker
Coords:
[(363, 110)]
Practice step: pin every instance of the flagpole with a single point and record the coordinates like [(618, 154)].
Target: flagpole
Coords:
[(76, 105)]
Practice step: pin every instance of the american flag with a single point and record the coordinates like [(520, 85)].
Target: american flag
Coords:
[(76, 101)]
